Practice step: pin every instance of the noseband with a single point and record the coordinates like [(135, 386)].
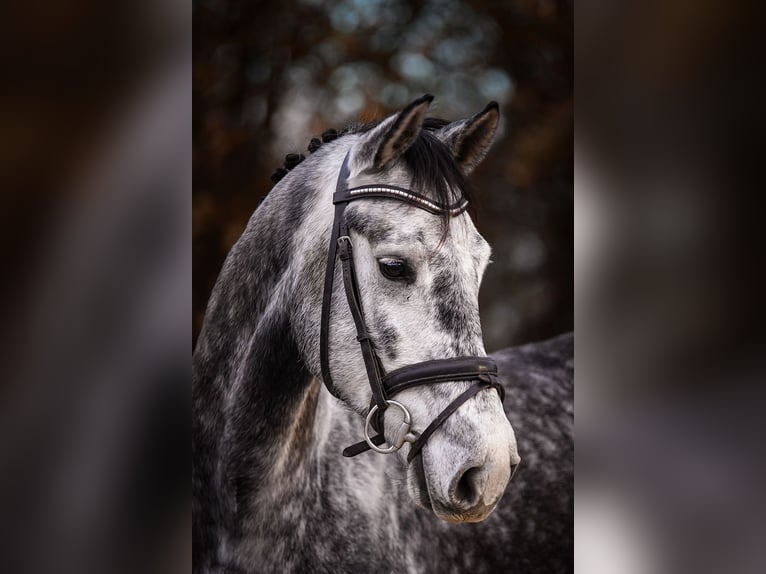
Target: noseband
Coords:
[(482, 371)]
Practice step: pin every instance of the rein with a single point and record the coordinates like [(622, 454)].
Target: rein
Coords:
[(481, 370)]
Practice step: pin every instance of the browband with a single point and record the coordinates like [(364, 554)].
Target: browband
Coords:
[(406, 195), (481, 371)]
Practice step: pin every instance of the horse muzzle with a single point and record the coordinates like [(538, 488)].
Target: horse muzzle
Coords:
[(465, 469)]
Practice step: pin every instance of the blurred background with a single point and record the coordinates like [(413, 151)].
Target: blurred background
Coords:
[(96, 216), (268, 76)]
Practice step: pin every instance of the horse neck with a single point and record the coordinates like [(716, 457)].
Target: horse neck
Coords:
[(264, 428), (251, 384)]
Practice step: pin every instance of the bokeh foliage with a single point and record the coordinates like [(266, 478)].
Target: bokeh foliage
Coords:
[(270, 75)]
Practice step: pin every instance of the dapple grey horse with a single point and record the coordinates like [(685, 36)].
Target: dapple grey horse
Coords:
[(272, 492)]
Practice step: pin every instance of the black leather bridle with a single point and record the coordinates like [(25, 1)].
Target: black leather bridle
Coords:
[(481, 370)]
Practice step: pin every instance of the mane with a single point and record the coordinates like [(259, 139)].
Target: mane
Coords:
[(434, 170)]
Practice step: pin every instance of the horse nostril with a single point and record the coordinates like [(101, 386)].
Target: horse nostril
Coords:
[(514, 468), (467, 491)]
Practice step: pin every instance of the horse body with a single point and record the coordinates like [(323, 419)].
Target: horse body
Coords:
[(271, 490)]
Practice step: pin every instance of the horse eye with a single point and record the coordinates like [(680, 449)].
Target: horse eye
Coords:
[(392, 268)]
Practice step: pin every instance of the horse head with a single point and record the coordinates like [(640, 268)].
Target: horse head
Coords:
[(417, 275)]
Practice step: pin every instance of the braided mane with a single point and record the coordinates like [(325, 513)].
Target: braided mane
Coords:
[(293, 159), (428, 159)]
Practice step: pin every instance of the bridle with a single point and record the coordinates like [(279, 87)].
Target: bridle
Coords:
[(482, 371)]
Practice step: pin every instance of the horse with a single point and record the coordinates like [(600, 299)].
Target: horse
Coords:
[(271, 489)]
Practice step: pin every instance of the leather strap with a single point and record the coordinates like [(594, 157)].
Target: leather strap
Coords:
[(440, 371), (371, 362), (443, 416), (432, 372), (362, 446), (329, 276)]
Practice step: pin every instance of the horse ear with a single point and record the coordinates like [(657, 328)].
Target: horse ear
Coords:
[(393, 136), (469, 140)]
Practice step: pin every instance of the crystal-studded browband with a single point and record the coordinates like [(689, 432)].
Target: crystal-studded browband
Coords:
[(402, 194)]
